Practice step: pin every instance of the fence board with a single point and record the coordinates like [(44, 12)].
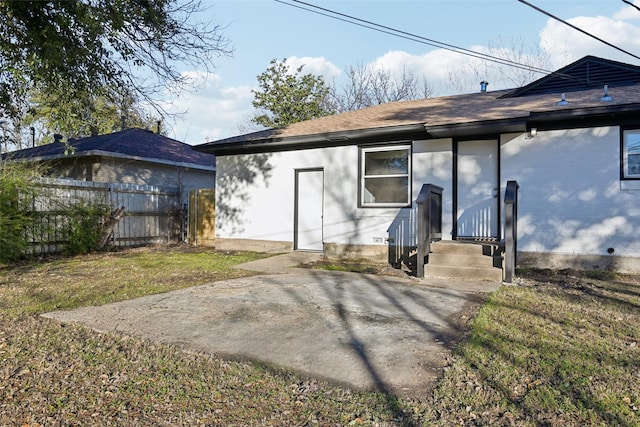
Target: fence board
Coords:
[(202, 214), (152, 213)]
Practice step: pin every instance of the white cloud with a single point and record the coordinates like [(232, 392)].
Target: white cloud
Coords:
[(566, 44), (435, 66), (628, 13), (214, 111), (210, 111), (449, 72), (318, 66)]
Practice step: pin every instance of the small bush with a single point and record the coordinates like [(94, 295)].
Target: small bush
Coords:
[(77, 224), (84, 227), (16, 195)]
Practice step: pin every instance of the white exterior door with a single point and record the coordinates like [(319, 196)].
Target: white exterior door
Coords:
[(308, 210), (477, 190)]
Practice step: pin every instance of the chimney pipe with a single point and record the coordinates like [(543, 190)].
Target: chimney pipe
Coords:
[(122, 122), (158, 123), (57, 138), (606, 97)]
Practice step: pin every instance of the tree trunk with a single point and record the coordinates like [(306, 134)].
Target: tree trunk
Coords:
[(110, 224)]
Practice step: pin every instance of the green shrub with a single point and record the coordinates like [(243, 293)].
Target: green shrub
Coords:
[(17, 191), (83, 228), (79, 229)]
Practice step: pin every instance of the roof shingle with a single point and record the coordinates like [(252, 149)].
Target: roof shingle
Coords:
[(134, 142), (457, 110)]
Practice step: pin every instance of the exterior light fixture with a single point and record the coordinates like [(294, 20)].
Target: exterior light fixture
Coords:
[(531, 133), (606, 97), (563, 101)]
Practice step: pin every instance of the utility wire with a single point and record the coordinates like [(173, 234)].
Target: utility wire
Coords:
[(577, 28), (409, 36), (631, 4), (413, 37)]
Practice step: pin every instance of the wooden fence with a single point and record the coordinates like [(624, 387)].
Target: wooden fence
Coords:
[(152, 214)]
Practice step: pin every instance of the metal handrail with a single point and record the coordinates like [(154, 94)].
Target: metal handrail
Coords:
[(429, 221), (511, 230)]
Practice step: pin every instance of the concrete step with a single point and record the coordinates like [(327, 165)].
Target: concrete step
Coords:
[(464, 261), (463, 273), (462, 248)]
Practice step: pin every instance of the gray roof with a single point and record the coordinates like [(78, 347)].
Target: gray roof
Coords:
[(133, 143)]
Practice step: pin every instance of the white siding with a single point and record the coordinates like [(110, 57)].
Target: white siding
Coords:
[(255, 197), (571, 198), (571, 201), (433, 164)]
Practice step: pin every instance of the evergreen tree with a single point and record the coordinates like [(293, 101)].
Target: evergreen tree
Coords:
[(285, 98)]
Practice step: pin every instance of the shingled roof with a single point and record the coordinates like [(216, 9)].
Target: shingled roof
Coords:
[(132, 143), (469, 114), (588, 72)]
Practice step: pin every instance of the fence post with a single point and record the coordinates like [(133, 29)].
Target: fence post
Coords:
[(511, 230)]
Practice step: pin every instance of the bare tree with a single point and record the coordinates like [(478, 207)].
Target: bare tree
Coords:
[(531, 60), (367, 86)]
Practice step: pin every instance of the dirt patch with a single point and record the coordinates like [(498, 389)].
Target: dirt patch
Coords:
[(359, 266)]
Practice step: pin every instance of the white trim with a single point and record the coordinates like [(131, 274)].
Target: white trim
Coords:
[(625, 154), (362, 177)]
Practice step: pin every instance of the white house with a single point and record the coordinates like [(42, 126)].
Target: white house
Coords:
[(154, 177), (347, 184)]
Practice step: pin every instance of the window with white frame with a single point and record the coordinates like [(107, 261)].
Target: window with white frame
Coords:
[(385, 176), (631, 153)]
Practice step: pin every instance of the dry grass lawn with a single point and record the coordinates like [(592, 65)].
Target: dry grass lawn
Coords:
[(557, 348)]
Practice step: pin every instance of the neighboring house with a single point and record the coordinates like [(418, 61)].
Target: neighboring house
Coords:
[(132, 156), (164, 185), (347, 184)]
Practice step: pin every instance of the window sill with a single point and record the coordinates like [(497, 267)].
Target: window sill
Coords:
[(390, 206), (630, 184)]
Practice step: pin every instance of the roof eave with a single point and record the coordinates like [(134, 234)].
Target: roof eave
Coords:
[(322, 140), (478, 128), (563, 118), (587, 111), (111, 154)]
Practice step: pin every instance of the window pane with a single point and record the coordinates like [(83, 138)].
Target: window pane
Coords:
[(386, 190), (633, 153), (394, 162)]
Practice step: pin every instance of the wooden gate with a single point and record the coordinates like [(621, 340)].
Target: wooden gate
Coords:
[(202, 217)]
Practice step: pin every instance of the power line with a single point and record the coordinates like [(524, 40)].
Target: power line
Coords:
[(631, 4), (409, 36), (577, 28), (419, 39)]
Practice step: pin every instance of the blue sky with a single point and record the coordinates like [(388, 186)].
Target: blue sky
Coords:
[(219, 104)]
